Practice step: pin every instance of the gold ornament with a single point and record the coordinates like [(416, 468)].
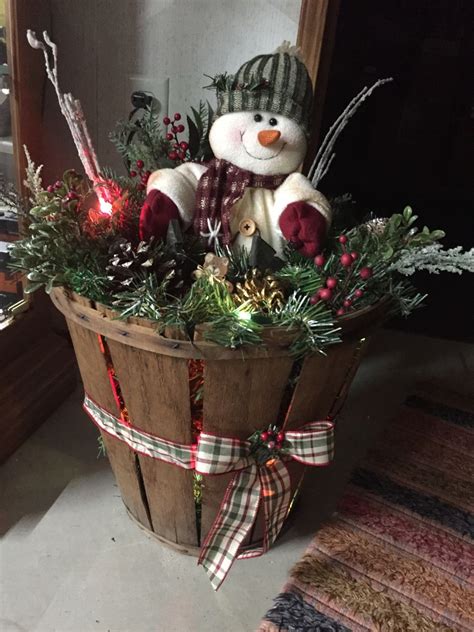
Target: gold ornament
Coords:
[(262, 292)]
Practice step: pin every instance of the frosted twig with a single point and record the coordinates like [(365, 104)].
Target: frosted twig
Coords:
[(70, 107), (326, 154)]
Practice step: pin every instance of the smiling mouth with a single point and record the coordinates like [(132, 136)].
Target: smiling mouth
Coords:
[(257, 157)]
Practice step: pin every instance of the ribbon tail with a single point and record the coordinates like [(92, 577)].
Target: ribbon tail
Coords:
[(276, 494), (234, 520)]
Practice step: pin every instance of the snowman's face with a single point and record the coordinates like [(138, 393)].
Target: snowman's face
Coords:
[(261, 142)]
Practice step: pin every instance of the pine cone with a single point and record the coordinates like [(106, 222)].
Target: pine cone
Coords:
[(129, 264), (263, 292), (377, 225)]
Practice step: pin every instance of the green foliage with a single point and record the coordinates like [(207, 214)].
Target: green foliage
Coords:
[(405, 297), (56, 250), (239, 262), (220, 83), (210, 303), (313, 324), (199, 124), (101, 449), (114, 182), (234, 329), (379, 244), (69, 242), (387, 239), (225, 82), (142, 139), (207, 300), (302, 275), (89, 282), (143, 299)]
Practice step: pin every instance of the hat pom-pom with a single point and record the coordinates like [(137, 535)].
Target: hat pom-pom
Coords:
[(289, 49)]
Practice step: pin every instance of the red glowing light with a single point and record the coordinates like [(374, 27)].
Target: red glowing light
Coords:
[(105, 207)]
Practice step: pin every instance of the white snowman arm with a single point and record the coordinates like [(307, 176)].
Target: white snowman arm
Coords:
[(297, 188), (179, 185)]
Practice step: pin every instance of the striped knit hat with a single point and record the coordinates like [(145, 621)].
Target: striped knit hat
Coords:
[(277, 83)]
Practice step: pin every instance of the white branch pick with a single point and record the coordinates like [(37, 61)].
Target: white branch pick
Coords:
[(70, 107)]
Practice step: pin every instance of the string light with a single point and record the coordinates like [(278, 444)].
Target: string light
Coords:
[(105, 207)]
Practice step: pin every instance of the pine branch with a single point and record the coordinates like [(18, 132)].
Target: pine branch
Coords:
[(239, 262), (304, 276), (144, 299), (142, 139), (313, 324), (405, 297), (233, 330)]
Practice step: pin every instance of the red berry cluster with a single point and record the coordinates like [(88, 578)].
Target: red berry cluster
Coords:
[(59, 187), (71, 196), (52, 188), (141, 173), (345, 296), (274, 440), (179, 148)]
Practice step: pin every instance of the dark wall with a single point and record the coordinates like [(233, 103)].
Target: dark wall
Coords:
[(412, 142)]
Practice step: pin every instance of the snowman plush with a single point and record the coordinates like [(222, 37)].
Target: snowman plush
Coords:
[(252, 186)]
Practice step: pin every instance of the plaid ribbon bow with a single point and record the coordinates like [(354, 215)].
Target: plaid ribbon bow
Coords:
[(253, 483), (139, 440)]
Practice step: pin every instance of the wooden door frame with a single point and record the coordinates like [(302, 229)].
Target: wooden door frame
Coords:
[(316, 38), (37, 370), (28, 79)]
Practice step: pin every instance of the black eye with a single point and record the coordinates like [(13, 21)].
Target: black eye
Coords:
[(273, 121), (257, 118)]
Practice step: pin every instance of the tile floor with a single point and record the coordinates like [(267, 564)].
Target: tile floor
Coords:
[(71, 559)]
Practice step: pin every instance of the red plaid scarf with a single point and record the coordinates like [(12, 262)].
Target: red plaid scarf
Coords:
[(221, 186)]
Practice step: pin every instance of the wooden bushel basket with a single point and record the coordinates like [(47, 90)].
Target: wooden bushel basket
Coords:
[(243, 390)]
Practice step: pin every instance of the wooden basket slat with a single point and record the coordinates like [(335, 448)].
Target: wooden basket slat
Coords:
[(146, 338), (239, 397), (358, 353), (319, 384), (323, 382), (155, 390), (243, 391), (96, 382)]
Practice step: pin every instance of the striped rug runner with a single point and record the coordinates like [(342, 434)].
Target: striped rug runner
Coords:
[(398, 556)]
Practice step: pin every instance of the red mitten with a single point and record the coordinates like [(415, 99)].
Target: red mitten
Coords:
[(157, 212), (304, 226)]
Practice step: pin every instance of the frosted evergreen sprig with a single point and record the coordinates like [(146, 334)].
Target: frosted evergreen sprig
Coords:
[(33, 181), (434, 259)]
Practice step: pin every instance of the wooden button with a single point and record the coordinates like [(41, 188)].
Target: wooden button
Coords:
[(247, 227)]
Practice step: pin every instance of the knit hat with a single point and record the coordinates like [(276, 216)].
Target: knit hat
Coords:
[(277, 83)]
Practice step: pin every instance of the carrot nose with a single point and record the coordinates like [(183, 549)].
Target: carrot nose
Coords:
[(268, 137)]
